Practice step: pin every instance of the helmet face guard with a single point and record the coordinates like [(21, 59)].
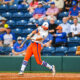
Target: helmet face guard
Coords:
[(46, 28)]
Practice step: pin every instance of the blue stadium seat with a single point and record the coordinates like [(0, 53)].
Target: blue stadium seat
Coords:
[(5, 50), (63, 14), (1, 50), (33, 22), (46, 6), (70, 21), (17, 31), (13, 8), (11, 23), (31, 26), (61, 51), (27, 16), (7, 15), (18, 16), (73, 41), (58, 22), (71, 51), (23, 8), (4, 8), (48, 51), (27, 31), (21, 23)]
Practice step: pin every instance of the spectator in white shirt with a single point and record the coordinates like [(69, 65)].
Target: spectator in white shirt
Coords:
[(75, 28), (65, 25), (78, 17), (8, 38)]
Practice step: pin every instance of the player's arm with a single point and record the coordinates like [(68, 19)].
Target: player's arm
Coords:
[(2, 29), (31, 34)]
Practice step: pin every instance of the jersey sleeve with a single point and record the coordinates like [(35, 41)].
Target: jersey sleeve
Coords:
[(14, 47), (13, 36), (1, 37)]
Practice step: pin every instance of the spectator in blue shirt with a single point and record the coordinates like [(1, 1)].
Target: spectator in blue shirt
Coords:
[(7, 38), (48, 41), (38, 13), (61, 37), (16, 48), (73, 11)]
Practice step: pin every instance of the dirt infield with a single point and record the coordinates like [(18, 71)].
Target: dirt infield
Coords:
[(40, 76)]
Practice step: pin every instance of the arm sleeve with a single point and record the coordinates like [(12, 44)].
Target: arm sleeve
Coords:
[(25, 46), (62, 35), (14, 47), (70, 11), (34, 12), (1, 37), (44, 11), (13, 36)]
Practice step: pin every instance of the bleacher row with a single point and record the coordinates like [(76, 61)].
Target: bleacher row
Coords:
[(59, 51), (70, 50), (18, 19)]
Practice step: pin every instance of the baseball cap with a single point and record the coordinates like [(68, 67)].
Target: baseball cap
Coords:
[(74, 3), (19, 38), (52, 3), (3, 18), (45, 25), (59, 27)]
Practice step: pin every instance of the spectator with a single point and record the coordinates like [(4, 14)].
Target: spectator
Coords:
[(48, 41), (8, 38), (1, 2), (78, 17), (65, 25), (59, 4), (52, 11), (75, 28), (17, 51), (52, 26), (33, 5), (67, 5), (61, 37), (2, 22), (78, 3), (73, 11), (8, 2), (43, 20), (39, 12), (25, 2)]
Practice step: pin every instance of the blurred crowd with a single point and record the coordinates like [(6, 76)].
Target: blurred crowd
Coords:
[(43, 11)]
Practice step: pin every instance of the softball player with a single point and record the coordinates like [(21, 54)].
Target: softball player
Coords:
[(35, 48)]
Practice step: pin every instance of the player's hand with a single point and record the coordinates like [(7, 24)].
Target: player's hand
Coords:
[(28, 37), (21, 46), (54, 35)]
